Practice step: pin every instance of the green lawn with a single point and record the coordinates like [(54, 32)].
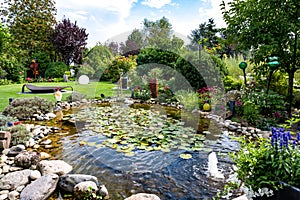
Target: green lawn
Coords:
[(91, 90)]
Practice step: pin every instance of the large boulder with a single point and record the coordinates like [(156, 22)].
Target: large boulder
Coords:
[(143, 196), (27, 159), (15, 179), (67, 182), (40, 189), (58, 167)]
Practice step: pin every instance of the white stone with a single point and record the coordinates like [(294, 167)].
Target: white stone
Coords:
[(13, 195), (35, 174), (5, 169), (3, 158), (3, 196)]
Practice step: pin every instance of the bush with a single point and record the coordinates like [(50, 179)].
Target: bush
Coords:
[(25, 108), (250, 112), (19, 134), (232, 84), (56, 70)]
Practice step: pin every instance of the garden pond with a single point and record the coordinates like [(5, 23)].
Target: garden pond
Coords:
[(143, 148)]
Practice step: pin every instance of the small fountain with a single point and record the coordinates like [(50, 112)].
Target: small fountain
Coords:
[(213, 170)]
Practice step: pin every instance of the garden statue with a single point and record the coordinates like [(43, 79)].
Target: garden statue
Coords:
[(34, 68), (58, 95)]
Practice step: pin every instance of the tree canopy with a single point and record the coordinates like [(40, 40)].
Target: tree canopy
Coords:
[(268, 29), (69, 41)]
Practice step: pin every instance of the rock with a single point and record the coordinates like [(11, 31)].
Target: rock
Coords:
[(3, 159), (103, 191), (4, 144), (40, 189), (27, 158), (4, 192), (15, 179), (243, 197), (15, 150), (5, 151), (13, 195), (47, 142), (232, 127), (13, 169), (67, 182), (3, 196), (30, 142), (58, 167), (5, 169), (143, 196), (44, 155), (35, 174), (84, 188), (49, 146), (50, 115)]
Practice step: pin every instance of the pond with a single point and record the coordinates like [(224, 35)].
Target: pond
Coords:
[(144, 148)]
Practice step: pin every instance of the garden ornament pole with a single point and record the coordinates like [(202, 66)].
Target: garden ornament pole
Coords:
[(273, 64), (243, 66)]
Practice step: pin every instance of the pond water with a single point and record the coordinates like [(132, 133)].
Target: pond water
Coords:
[(144, 158)]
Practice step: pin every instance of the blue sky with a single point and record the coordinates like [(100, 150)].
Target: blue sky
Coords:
[(107, 19)]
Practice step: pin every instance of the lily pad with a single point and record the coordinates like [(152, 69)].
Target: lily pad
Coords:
[(185, 156)]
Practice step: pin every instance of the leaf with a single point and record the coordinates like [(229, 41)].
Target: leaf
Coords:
[(185, 156)]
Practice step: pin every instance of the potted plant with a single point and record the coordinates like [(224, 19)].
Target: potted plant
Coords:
[(269, 166)]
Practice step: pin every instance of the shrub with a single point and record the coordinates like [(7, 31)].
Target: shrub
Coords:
[(19, 134), (56, 70), (188, 99), (250, 112), (25, 108), (142, 94), (232, 84)]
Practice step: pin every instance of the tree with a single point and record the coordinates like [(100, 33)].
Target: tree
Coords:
[(133, 43), (69, 42), (205, 35), (10, 67), (31, 23), (96, 61), (269, 29)]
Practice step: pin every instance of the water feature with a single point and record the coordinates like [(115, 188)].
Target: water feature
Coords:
[(145, 158)]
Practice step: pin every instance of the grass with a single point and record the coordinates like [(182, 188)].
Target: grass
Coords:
[(91, 90)]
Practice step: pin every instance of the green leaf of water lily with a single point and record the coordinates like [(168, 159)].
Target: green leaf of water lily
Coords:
[(185, 156)]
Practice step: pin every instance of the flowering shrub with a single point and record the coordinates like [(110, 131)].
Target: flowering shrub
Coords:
[(142, 94), (206, 94), (266, 161)]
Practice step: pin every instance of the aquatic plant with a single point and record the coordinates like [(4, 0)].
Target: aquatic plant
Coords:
[(128, 130)]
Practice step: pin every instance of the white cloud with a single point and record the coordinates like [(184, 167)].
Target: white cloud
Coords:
[(76, 15), (212, 10), (122, 7), (156, 3)]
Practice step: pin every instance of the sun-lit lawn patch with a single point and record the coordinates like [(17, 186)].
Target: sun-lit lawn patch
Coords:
[(91, 90)]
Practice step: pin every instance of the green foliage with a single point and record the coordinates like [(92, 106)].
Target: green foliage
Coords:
[(231, 84), (268, 30), (30, 22), (120, 65), (19, 134), (4, 120), (250, 112), (56, 70), (189, 99), (95, 62), (262, 165), (25, 108), (143, 94), (91, 195), (268, 104), (165, 95)]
